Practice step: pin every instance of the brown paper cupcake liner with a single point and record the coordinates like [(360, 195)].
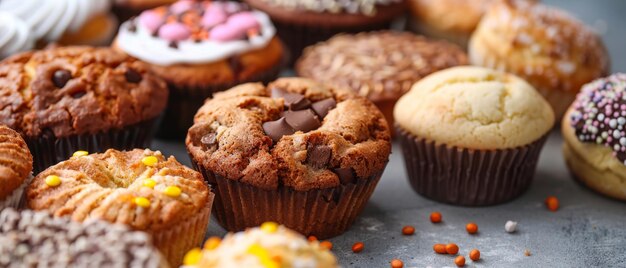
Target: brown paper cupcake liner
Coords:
[(184, 102), (298, 36), (48, 150), (323, 213), (175, 242), (467, 177), (16, 198)]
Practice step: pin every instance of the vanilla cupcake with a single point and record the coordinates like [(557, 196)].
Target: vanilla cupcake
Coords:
[(66, 22), (472, 136), (270, 245), (550, 49), (594, 131)]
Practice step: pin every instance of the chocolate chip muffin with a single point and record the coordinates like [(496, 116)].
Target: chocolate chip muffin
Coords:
[(36, 239), (16, 165), (139, 188), (381, 66), (68, 99), (296, 152)]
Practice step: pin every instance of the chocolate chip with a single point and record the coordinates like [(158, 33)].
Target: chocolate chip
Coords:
[(61, 77), (318, 156), (277, 129), (324, 106), (132, 76), (304, 120), (79, 94), (173, 45), (293, 101), (132, 26), (346, 175), (208, 140)]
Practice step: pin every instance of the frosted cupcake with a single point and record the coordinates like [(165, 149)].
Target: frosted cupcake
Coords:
[(15, 35), (200, 47), (66, 22), (270, 245)]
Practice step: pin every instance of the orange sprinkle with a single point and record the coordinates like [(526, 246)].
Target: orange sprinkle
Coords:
[(459, 261), (326, 244), (408, 230), (435, 217), (474, 254), (452, 249), (471, 228), (395, 263), (440, 249), (358, 247), (552, 203), (312, 238)]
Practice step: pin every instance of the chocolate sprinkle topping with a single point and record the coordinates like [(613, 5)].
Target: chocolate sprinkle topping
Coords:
[(61, 77)]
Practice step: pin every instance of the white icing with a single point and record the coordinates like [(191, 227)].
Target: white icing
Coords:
[(50, 19), (142, 45), (15, 35)]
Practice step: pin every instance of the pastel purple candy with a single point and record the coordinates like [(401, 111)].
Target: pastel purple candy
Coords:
[(151, 20), (181, 6), (213, 16), (174, 32), (225, 32), (243, 21)]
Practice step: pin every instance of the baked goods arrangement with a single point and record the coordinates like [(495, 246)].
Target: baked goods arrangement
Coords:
[(469, 95)]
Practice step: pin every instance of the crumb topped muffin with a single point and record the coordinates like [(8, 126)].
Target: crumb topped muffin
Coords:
[(269, 245), (294, 137), (16, 165), (139, 188), (36, 239), (79, 98)]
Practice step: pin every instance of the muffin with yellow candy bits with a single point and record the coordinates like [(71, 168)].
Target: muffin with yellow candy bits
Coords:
[(267, 246), (138, 188)]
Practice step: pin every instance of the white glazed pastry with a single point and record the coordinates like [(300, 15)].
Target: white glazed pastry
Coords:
[(15, 35)]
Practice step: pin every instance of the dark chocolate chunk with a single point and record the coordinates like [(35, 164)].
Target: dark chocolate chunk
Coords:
[(132, 76), (132, 26), (346, 175), (318, 156), (324, 106), (61, 77), (304, 120), (277, 129), (208, 139), (79, 94), (293, 101)]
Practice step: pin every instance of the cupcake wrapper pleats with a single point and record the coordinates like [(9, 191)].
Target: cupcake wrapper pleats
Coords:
[(16, 198)]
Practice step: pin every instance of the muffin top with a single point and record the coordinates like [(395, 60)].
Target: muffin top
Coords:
[(76, 90), (267, 246), (550, 48), (49, 20), (195, 32), (15, 35), (365, 7), (598, 115), (294, 132), (140, 188), (36, 239), (16, 162), (458, 16), (378, 65), (474, 107)]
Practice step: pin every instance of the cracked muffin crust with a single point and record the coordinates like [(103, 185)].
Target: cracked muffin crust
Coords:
[(230, 136), (16, 165), (77, 90), (139, 188)]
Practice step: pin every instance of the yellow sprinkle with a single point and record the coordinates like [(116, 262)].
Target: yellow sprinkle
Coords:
[(269, 227), (53, 181), (150, 183), (212, 243), (172, 191), (193, 257), (80, 153), (150, 161), (263, 255), (142, 202)]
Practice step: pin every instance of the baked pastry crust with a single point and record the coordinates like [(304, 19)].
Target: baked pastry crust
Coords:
[(98, 95), (16, 162), (550, 49), (355, 131), (452, 16)]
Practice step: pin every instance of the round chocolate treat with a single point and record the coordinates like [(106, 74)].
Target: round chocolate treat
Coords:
[(270, 151), (36, 239)]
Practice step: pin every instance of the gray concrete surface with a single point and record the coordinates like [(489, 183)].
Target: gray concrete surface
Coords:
[(588, 231)]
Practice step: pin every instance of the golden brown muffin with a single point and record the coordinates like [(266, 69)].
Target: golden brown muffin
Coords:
[(16, 165), (139, 188), (269, 151), (381, 66), (79, 98), (553, 51), (595, 142)]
